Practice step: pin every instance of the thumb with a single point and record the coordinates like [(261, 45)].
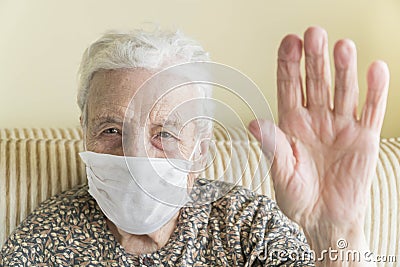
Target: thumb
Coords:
[(264, 132), (274, 144)]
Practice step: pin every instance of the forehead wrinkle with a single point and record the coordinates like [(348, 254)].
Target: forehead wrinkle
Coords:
[(109, 103), (116, 86)]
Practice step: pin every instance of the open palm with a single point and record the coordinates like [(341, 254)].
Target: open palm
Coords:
[(324, 156)]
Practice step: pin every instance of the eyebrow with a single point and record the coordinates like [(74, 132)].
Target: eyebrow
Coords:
[(101, 120), (176, 122)]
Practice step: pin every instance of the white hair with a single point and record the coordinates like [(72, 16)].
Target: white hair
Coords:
[(137, 49)]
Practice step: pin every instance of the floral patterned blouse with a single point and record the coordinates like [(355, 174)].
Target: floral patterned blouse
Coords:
[(239, 229)]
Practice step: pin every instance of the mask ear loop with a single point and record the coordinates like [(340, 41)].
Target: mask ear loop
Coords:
[(194, 150), (192, 162), (84, 138)]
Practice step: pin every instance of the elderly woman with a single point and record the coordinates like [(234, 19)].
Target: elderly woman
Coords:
[(322, 166)]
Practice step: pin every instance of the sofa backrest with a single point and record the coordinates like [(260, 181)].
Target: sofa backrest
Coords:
[(38, 163)]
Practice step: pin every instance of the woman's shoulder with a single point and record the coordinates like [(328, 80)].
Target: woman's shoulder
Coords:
[(224, 193), (253, 220), (62, 205), (49, 228), (235, 204)]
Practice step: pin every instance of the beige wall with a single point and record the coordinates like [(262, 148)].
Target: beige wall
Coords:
[(41, 43)]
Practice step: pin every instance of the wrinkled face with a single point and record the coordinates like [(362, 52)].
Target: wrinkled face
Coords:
[(150, 125)]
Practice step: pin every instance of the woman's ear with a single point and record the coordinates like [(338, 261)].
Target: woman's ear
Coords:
[(204, 148)]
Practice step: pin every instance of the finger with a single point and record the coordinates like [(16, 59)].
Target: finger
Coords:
[(274, 145), (346, 83), (290, 91), (375, 104), (318, 77)]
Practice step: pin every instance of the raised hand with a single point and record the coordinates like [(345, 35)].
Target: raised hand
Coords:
[(324, 155)]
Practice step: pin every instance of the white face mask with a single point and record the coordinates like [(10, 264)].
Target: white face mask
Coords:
[(138, 194)]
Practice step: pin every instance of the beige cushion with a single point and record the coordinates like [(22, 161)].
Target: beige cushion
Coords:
[(38, 163)]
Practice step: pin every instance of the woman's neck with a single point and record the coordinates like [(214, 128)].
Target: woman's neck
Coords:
[(142, 244)]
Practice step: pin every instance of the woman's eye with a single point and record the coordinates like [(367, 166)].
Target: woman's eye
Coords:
[(111, 131), (164, 134)]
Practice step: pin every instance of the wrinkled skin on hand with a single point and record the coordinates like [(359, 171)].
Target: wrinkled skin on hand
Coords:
[(324, 155)]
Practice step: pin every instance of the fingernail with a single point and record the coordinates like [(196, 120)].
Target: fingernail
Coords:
[(290, 48), (344, 53), (320, 41), (316, 40), (378, 75)]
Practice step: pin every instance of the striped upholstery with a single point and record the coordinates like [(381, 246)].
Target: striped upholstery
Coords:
[(38, 163), (34, 165)]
